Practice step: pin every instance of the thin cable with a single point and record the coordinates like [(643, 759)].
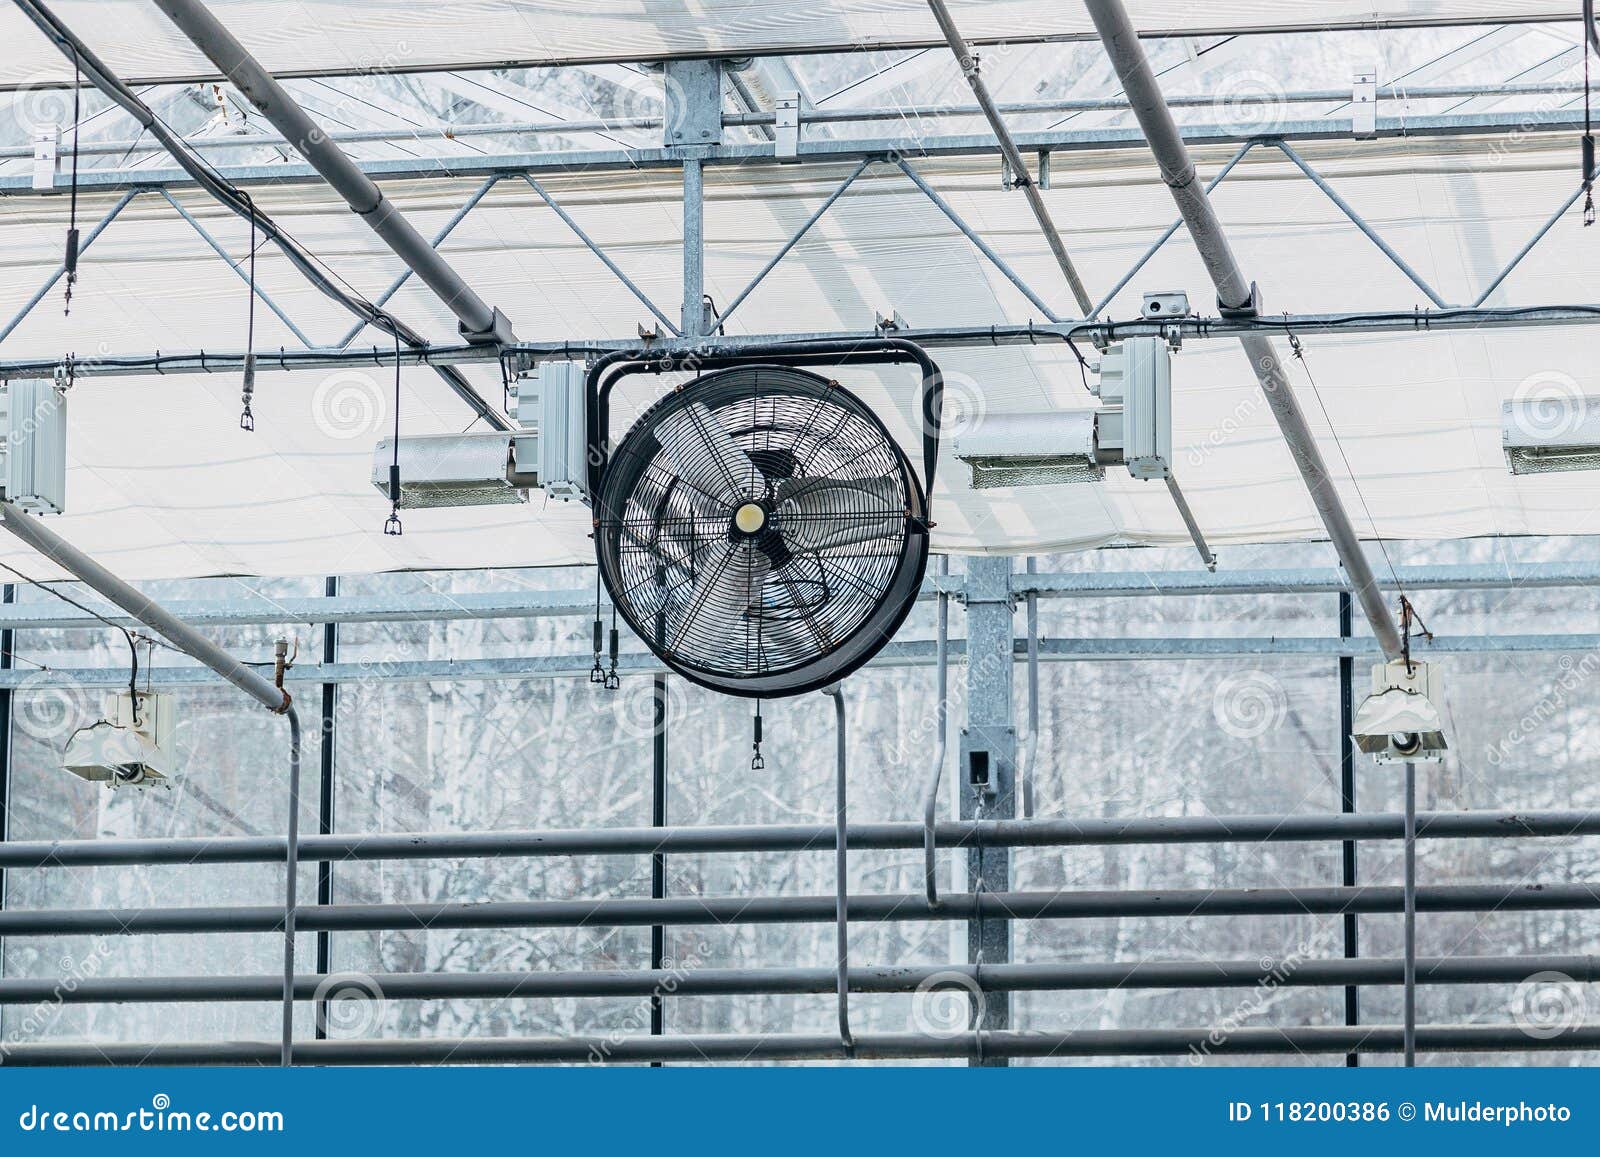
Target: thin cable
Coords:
[(133, 646), (71, 262), (247, 420), (1588, 121), (392, 526), (1300, 356)]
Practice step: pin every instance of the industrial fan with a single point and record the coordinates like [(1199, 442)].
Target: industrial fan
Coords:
[(761, 530)]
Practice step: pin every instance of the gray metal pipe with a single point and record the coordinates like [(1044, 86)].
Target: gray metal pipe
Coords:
[(142, 608), (841, 867), (702, 1049), (380, 846), (1235, 291), (875, 980), (479, 322), (192, 643), (1410, 906), (730, 910), (1008, 149), (941, 716)]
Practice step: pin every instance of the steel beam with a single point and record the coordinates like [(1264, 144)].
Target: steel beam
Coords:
[(428, 607), (836, 150), (986, 783), (1237, 292), (1021, 175)]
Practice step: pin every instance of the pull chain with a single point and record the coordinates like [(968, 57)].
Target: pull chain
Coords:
[(756, 762), (1588, 126), (613, 680), (392, 526), (71, 262), (598, 675), (247, 420)]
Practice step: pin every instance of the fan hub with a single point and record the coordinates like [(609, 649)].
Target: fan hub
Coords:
[(750, 518)]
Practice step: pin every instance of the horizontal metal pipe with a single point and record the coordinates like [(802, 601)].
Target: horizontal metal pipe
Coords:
[(428, 607), (21, 854), (701, 1049), (831, 149), (733, 910), (801, 981), (445, 133), (952, 337), (141, 607), (894, 655)]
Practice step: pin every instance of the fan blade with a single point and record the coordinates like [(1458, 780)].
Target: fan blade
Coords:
[(819, 513), (708, 458), (728, 584)]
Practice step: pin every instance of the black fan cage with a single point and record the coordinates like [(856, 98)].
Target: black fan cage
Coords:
[(761, 530)]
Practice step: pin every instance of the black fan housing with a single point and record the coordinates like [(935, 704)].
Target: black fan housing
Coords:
[(762, 531)]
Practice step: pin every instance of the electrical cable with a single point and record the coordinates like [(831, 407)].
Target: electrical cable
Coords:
[(392, 526), (247, 420), (239, 203), (133, 646), (1394, 575), (1593, 37), (71, 262)]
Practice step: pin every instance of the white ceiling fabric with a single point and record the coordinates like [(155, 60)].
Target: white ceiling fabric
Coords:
[(365, 35), (164, 484)]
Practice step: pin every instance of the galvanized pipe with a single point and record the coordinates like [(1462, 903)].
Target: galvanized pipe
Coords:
[(941, 714), (142, 608), (727, 910), (1235, 291), (702, 1049), (192, 643), (874, 980), (1008, 149), (841, 867), (1410, 906), (382, 846), (478, 320)]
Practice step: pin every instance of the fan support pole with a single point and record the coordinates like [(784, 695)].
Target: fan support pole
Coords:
[(988, 772)]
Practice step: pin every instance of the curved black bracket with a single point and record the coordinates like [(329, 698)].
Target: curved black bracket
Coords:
[(608, 371)]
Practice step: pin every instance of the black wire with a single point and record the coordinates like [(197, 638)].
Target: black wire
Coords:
[(133, 647), (71, 261)]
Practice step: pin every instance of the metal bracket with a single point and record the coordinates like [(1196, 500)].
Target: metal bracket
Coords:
[(1364, 103), (46, 159), (786, 128), (693, 95)]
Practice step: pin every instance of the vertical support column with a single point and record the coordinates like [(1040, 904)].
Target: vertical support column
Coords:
[(692, 127), (693, 319), (8, 595), (1347, 806), (988, 769), (658, 859), (326, 798)]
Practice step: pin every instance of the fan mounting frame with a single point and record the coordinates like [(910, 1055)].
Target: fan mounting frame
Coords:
[(612, 483)]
